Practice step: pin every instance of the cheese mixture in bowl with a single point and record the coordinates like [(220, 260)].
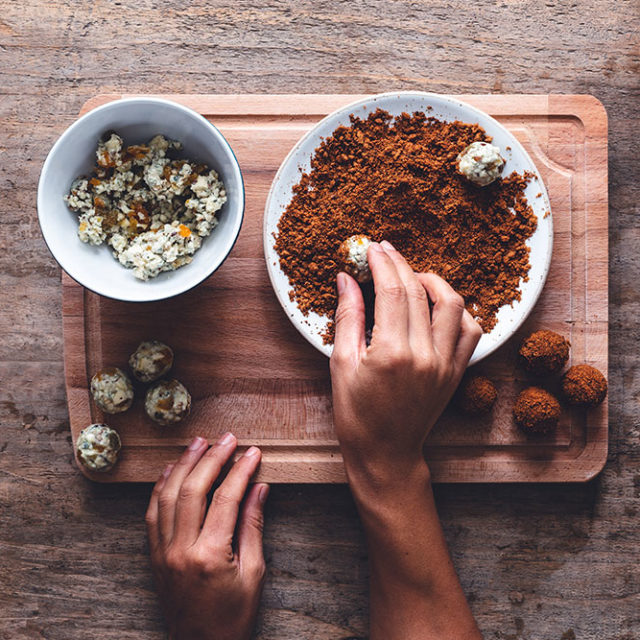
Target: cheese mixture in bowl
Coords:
[(151, 208)]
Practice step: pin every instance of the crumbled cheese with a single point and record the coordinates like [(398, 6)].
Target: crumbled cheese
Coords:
[(153, 211)]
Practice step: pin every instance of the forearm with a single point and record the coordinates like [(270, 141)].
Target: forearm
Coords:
[(415, 592)]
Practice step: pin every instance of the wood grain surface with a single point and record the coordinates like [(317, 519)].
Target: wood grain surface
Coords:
[(538, 562), (286, 409)]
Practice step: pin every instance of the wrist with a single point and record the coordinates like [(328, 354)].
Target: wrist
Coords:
[(383, 490)]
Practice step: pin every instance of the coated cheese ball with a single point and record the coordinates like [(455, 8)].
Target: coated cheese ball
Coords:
[(481, 163), (98, 447), (584, 386), (352, 256), (151, 360), (536, 411), (167, 402), (112, 390), (544, 352), (476, 395)]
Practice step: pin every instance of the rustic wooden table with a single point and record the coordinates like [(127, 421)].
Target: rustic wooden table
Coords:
[(554, 561)]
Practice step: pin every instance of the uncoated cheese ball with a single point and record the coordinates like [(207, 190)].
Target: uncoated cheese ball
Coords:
[(98, 447), (352, 256), (167, 402), (151, 360), (112, 390), (481, 163)]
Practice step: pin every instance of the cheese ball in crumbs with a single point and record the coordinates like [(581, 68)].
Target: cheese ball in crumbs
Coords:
[(112, 390), (98, 447), (536, 411), (475, 395), (584, 386), (544, 352), (167, 402), (352, 257), (481, 163), (151, 360)]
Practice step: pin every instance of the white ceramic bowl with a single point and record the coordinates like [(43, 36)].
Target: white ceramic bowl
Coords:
[(137, 120), (509, 317)]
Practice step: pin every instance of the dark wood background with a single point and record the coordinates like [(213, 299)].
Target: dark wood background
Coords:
[(537, 562)]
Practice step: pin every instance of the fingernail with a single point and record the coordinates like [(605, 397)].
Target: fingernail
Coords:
[(387, 245), (263, 494), (376, 247), (252, 451), (196, 443), (227, 438), (167, 471), (341, 282)]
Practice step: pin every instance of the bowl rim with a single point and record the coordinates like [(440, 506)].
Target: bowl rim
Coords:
[(327, 349), (141, 100)]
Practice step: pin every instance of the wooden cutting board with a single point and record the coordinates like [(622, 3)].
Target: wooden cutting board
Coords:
[(250, 372)]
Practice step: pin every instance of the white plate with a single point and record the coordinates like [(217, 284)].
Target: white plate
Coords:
[(509, 318)]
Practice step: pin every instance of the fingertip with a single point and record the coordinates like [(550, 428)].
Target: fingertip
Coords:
[(263, 492), (341, 282)]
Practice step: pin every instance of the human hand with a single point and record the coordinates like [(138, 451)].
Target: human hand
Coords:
[(209, 580), (387, 397)]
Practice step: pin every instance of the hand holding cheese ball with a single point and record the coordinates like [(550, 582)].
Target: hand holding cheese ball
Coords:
[(386, 398)]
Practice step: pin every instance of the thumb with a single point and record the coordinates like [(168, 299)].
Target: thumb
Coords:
[(349, 340)]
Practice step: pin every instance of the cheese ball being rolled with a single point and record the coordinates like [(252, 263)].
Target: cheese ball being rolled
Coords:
[(98, 447), (112, 390), (167, 402), (352, 257), (481, 163), (151, 360)]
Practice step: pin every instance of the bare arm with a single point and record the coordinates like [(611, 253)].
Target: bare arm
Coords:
[(387, 397)]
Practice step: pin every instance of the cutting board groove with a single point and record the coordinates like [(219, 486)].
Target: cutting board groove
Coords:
[(250, 372)]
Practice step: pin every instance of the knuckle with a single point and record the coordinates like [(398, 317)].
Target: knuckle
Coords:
[(455, 301), (188, 491), (343, 312), (395, 358), (150, 519), (256, 521), (257, 571), (424, 366), (416, 292), (174, 561), (394, 292), (166, 501), (339, 359), (222, 499)]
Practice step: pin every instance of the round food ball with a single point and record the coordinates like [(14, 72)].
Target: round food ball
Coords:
[(112, 390), (98, 447), (536, 411), (544, 352), (352, 256), (481, 163), (584, 386), (476, 395), (167, 402), (151, 360)]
